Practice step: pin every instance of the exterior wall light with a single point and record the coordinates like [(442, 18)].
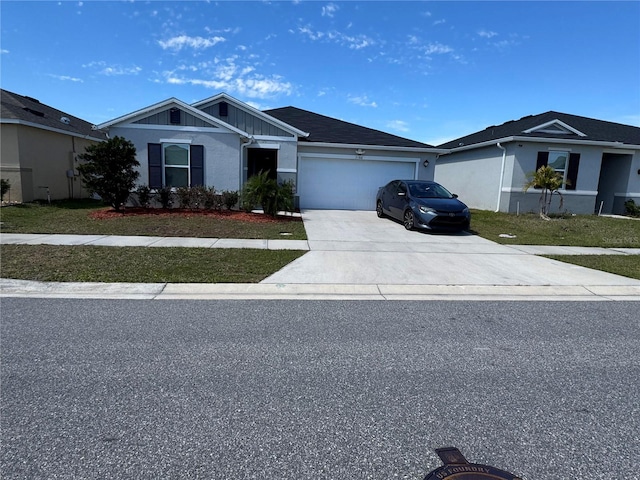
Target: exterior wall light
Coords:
[(426, 163)]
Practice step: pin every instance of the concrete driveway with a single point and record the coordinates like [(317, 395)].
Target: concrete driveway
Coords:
[(358, 248)]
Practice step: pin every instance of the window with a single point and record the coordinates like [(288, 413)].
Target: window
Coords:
[(175, 165), (564, 163), (558, 160)]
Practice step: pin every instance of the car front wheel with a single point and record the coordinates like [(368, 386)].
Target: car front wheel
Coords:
[(379, 211), (408, 220)]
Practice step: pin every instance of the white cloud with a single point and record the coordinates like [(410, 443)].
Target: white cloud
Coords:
[(436, 48), (4, 51), (226, 75), (183, 41), (66, 78), (353, 42), (329, 10), (487, 34), (398, 125), (439, 22), (362, 101), (112, 70)]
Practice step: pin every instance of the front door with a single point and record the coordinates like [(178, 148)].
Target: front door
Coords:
[(614, 178), (262, 160)]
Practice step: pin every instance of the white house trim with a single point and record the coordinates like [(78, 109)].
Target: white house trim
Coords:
[(277, 139), (270, 146), (175, 140), (374, 158), (564, 141), (174, 128), (375, 147), (543, 128), (160, 106)]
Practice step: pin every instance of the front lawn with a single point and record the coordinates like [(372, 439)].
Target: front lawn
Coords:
[(140, 264), (91, 217), (570, 230)]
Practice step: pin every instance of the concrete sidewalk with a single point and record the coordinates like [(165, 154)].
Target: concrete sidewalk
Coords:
[(141, 241), (355, 255)]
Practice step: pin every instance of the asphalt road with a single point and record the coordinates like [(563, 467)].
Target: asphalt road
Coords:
[(324, 390)]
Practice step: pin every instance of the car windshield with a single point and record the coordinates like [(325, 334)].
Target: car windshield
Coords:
[(428, 190)]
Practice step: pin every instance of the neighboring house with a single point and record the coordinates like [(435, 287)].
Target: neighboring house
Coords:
[(599, 162), (221, 142), (39, 148)]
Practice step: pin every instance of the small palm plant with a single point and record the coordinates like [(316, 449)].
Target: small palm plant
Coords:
[(550, 182), (265, 191)]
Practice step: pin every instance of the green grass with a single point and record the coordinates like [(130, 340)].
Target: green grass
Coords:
[(176, 265), (73, 217), (576, 230), (140, 264), (625, 265)]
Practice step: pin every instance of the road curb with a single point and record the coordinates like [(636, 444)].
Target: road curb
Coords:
[(226, 291)]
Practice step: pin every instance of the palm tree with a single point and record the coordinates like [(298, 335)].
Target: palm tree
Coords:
[(550, 182)]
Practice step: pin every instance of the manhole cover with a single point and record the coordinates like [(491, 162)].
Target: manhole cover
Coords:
[(456, 467)]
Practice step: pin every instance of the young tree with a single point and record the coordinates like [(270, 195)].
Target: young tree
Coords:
[(550, 182), (109, 170)]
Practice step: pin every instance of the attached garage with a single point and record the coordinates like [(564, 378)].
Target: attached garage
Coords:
[(340, 182)]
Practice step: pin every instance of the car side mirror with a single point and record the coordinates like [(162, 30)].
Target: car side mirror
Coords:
[(454, 195)]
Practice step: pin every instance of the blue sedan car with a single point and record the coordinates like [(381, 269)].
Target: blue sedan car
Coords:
[(422, 204)]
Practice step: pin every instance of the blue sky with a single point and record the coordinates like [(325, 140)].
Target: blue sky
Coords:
[(429, 71)]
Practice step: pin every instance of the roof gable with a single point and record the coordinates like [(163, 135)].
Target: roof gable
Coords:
[(161, 114), (246, 117), (331, 130), (553, 125), (20, 109)]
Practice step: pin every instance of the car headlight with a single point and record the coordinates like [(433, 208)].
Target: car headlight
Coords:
[(465, 211), (424, 209)]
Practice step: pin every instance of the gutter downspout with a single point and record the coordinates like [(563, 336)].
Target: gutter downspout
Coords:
[(504, 161), (242, 149)]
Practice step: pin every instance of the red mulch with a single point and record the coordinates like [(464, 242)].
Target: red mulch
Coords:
[(107, 213)]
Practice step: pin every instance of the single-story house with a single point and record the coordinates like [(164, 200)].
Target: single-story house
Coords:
[(39, 149), (599, 162), (221, 142)]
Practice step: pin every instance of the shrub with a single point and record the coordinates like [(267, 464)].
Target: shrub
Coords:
[(5, 186), (631, 208), (109, 170), (165, 196), (144, 195), (199, 195), (230, 199), (185, 197)]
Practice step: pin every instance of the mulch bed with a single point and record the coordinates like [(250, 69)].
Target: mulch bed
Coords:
[(109, 213)]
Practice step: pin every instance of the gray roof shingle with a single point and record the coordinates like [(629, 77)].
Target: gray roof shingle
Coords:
[(595, 130), (324, 129), (29, 110)]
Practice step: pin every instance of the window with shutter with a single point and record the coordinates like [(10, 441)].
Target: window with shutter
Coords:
[(565, 164)]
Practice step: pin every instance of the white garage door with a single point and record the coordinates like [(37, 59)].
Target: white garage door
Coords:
[(346, 184)]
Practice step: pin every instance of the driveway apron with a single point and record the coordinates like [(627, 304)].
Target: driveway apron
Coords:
[(357, 247)]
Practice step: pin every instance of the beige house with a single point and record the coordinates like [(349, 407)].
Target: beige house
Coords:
[(39, 148)]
